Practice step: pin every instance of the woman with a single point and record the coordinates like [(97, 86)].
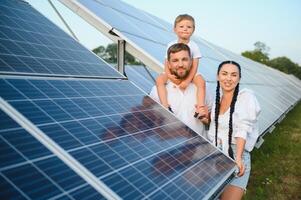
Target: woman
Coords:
[(234, 125)]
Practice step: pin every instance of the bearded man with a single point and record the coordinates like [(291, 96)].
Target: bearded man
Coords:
[(182, 101)]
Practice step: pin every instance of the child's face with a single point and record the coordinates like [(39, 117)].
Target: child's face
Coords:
[(184, 29)]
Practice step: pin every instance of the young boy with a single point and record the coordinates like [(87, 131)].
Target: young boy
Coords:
[(184, 27)]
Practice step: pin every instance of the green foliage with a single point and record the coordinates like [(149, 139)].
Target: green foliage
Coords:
[(262, 47), (276, 170), (109, 54), (257, 56), (284, 64)]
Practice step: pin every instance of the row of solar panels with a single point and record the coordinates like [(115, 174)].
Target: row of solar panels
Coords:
[(72, 127), (147, 36)]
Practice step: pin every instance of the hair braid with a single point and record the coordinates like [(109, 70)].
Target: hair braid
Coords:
[(232, 109), (217, 106)]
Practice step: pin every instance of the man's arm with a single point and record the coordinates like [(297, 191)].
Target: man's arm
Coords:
[(154, 94)]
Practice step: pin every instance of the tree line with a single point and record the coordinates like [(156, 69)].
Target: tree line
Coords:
[(259, 54), (109, 54), (284, 64)]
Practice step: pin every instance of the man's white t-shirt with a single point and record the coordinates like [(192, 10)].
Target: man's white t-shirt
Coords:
[(182, 104)]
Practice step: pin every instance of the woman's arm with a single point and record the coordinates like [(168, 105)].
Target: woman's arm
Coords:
[(240, 146)]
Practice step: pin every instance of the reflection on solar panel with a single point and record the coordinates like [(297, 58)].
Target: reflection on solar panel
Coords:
[(141, 76), (31, 44), (28, 170), (122, 137), (276, 91), (81, 138)]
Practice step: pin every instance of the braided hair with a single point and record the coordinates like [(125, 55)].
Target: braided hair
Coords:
[(232, 106)]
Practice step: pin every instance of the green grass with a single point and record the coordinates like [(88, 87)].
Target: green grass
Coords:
[(276, 165)]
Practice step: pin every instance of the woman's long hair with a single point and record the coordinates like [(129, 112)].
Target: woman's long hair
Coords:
[(232, 107)]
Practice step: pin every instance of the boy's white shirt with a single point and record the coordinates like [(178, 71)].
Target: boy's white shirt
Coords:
[(194, 49)]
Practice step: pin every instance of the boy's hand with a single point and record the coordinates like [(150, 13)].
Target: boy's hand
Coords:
[(183, 85), (174, 79)]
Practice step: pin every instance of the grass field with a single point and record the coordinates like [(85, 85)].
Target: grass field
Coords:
[(276, 165)]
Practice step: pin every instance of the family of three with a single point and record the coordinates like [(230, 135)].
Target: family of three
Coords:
[(232, 116)]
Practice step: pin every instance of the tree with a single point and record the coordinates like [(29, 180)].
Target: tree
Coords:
[(111, 51), (109, 54), (286, 65), (259, 54), (262, 47), (101, 52)]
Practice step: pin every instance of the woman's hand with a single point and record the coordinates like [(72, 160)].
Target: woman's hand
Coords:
[(241, 167)]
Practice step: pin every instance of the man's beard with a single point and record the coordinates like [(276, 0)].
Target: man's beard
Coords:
[(181, 77)]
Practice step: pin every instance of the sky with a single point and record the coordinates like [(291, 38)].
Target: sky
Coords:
[(232, 24)]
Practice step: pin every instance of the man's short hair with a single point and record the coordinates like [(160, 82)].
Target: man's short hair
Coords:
[(175, 48)]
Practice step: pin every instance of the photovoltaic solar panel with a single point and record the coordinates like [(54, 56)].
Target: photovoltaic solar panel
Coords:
[(28, 170), (108, 128), (31, 44), (129, 142), (141, 76), (147, 37)]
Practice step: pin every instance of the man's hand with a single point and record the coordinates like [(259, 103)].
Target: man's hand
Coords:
[(202, 114), (202, 110)]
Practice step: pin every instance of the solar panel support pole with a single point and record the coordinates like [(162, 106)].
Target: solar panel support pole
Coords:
[(65, 23), (120, 56)]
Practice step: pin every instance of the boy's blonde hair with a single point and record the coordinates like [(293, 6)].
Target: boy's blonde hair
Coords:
[(184, 17)]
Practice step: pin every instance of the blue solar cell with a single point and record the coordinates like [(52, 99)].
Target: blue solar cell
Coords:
[(8, 155), (141, 77), (6, 122), (28, 170), (120, 134), (23, 142), (30, 43), (20, 176), (86, 193), (32, 112), (8, 191)]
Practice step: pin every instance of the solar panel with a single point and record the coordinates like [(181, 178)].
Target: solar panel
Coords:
[(142, 76), (31, 44), (276, 91), (28, 170), (124, 138), (81, 138)]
